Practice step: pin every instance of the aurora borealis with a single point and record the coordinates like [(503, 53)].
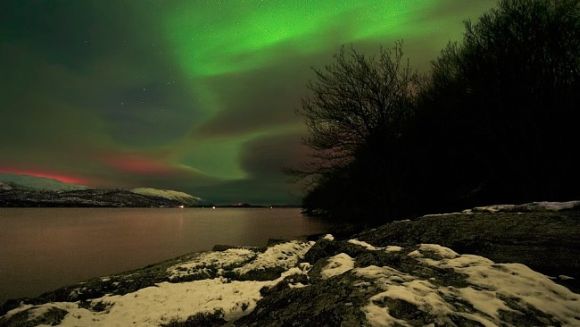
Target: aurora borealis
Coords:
[(195, 96)]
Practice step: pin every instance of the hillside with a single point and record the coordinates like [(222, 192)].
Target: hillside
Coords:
[(17, 197)]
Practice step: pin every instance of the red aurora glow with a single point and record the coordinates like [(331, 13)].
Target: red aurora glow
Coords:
[(139, 165), (45, 174)]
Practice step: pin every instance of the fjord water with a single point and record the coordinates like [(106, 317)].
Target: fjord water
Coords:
[(45, 248)]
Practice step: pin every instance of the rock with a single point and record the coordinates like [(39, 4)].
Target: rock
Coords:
[(51, 317), (397, 274), (213, 319), (546, 241), (417, 286)]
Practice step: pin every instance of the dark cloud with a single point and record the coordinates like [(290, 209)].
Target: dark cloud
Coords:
[(270, 156), (265, 160)]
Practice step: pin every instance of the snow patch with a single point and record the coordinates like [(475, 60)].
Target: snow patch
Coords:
[(337, 265), (164, 302), (428, 298), (22, 307), (363, 244), (533, 206), (494, 282), (438, 250), (170, 301), (393, 248), (415, 254), (215, 260), (389, 248), (489, 286), (525, 207), (557, 206), (443, 214), (284, 255), (297, 285), (328, 237)]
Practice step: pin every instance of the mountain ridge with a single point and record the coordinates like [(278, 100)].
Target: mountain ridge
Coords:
[(106, 198)]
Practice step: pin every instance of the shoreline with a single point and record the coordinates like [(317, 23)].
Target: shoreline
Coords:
[(64, 246), (252, 283), (148, 268)]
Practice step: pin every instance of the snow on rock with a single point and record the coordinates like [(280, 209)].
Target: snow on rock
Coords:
[(393, 248), (216, 260), (398, 287), (376, 272), (363, 244), (432, 285), (445, 214), (517, 281), (21, 308), (328, 237), (280, 256), (177, 299), (240, 261), (297, 285), (494, 291), (166, 194), (438, 250), (415, 254), (525, 207), (557, 206), (389, 248), (564, 277), (499, 208), (337, 265), (165, 302), (534, 206)]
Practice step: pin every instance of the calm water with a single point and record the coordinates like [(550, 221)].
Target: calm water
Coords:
[(43, 249)]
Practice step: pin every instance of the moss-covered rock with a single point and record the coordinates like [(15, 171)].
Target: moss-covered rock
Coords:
[(51, 317), (546, 241)]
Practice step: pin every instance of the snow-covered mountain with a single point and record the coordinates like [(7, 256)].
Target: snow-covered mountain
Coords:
[(167, 194), (31, 191)]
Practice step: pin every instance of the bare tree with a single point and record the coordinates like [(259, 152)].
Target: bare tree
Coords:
[(354, 98)]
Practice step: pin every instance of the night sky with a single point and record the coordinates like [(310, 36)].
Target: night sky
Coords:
[(195, 96)]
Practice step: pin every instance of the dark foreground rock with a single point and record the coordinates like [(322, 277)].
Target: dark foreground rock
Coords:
[(545, 240), (401, 289), (390, 276)]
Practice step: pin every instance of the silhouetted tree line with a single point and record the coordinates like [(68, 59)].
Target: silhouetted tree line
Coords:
[(496, 120)]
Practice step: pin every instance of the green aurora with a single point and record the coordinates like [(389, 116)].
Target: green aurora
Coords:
[(197, 96)]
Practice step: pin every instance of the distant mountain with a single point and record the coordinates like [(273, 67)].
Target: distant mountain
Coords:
[(13, 197), (37, 183), (167, 194), (29, 191), (5, 187)]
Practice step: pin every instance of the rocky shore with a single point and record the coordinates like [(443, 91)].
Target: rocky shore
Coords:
[(489, 266)]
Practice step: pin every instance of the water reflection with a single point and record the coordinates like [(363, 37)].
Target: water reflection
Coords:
[(42, 249)]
